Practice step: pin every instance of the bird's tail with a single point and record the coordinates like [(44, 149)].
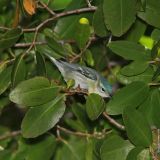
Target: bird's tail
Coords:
[(58, 63), (51, 58)]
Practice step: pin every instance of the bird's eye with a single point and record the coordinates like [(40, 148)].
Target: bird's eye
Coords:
[(103, 89)]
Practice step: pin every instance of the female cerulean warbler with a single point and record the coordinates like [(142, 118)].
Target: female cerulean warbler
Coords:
[(84, 77)]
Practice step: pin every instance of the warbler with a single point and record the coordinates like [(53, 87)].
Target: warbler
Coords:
[(84, 77)]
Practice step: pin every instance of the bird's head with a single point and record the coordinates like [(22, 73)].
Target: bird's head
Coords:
[(104, 88)]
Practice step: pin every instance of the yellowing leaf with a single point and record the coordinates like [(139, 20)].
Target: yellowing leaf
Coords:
[(29, 6)]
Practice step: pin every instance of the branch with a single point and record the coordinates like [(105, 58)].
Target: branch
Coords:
[(9, 135), (97, 135), (113, 122), (66, 13)]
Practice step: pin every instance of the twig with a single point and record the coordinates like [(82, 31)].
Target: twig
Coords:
[(113, 122), (97, 135), (28, 44), (9, 135), (88, 3), (82, 51), (66, 13), (47, 8), (154, 84)]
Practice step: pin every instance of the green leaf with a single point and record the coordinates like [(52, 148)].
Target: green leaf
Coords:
[(135, 121), (145, 77), (134, 68), (36, 149), (66, 26), (115, 148), (74, 149), (155, 34), (81, 115), (33, 92), (18, 73), (155, 104), (60, 4), (98, 22), (136, 31), (95, 105), (5, 79), (9, 38), (134, 153), (155, 50), (40, 119), (88, 57), (128, 50), (4, 101), (115, 16), (129, 96), (145, 154), (147, 109), (151, 13), (82, 34), (156, 73), (55, 46), (41, 66), (47, 50)]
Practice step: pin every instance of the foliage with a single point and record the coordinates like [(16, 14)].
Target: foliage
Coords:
[(42, 117)]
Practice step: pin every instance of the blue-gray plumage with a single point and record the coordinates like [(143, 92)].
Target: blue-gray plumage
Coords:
[(84, 77)]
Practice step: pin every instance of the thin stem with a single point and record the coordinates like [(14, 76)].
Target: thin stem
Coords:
[(17, 45), (82, 51), (113, 122), (47, 8), (10, 135), (97, 135)]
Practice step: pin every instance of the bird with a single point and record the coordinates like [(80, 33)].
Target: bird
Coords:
[(84, 77)]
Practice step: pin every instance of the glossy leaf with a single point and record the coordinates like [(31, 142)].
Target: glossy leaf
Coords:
[(38, 149), (155, 34), (60, 4), (66, 26), (5, 79), (145, 77), (135, 121), (117, 21), (156, 73), (9, 38), (18, 73), (151, 13), (41, 66), (114, 148), (33, 92), (128, 50), (146, 107), (136, 31), (129, 96), (47, 50), (145, 154), (134, 153), (82, 35), (40, 119), (56, 47), (4, 101), (95, 105), (98, 22), (134, 68)]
